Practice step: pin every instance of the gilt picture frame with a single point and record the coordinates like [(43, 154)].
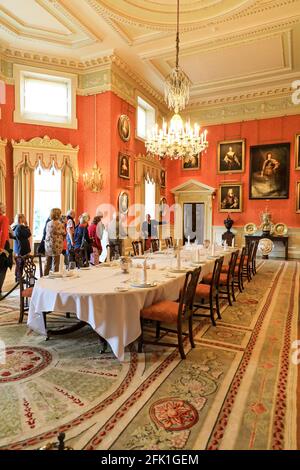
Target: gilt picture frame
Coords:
[(231, 156), (231, 197), (124, 166), (124, 127), (269, 171)]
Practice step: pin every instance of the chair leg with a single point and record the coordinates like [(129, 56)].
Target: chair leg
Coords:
[(212, 312), (240, 285), (191, 332), (228, 294), (249, 272), (218, 307), (22, 305), (180, 342), (157, 335), (141, 339), (232, 291), (68, 315)]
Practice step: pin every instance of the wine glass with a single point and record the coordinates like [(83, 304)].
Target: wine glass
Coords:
[(71, 265)]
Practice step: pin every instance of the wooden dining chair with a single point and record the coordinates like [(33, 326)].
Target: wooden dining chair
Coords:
[(155, 244), (247, 265), (207, 295), (227, 279), (238, 271), (138, 248), (171, 312), (27, 280), (169, 242)]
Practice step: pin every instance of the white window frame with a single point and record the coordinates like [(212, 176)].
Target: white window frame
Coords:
[(20, 73), (147, 107)]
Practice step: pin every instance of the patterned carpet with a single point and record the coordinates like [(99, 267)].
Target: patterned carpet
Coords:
[(236, 390)]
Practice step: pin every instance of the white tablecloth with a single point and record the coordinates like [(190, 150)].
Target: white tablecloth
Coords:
[(115, 316)]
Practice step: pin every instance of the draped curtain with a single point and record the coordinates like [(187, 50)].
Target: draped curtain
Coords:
[(24, 192), (68, 190)]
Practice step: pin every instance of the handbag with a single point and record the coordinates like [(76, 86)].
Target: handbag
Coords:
[(6, 257), (85, 245)]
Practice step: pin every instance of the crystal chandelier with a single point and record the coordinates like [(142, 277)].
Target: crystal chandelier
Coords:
[(177, 140), (93, 180)]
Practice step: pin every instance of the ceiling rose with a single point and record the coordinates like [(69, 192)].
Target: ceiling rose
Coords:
[(161, 14)]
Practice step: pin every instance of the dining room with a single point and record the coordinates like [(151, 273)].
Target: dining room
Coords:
[(149, 225)]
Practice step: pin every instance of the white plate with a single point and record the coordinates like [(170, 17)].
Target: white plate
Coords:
[(55, 276), (144, 286), (85, 269), (213, 257), (121, 289), (171, 276)]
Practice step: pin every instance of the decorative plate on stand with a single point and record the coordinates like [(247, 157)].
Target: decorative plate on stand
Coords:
[(280, 229), (265, 246), (250, 228)]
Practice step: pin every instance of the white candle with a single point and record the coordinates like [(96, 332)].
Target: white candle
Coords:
[(225, 245), (140, 250), (61, 264), (197, 255), (144, 273), (189, 240), (213, 249), (108, 254), (232, 242), (159, 245)]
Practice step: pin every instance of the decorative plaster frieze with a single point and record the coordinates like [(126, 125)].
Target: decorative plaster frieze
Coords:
[(246, 111), (44, 143)]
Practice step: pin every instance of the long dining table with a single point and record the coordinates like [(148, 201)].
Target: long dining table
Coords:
[(109, 300)]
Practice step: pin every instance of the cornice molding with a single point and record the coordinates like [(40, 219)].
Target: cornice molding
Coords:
[(45, 143)]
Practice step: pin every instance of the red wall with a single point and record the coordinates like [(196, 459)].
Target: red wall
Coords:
[(109, 108), (109, 144), (256, 132)]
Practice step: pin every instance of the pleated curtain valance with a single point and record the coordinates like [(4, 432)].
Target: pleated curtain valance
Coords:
[(46, 152), (2, 170)]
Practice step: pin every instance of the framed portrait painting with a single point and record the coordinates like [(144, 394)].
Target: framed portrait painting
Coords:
[(163, 178), (123, 202), (269, 171), (231, 156), (191, 162), (297, 152), (124, 166), (230, 197), (124, 127), (298, 197)]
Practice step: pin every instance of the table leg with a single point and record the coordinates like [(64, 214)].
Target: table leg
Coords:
[(286, 243)]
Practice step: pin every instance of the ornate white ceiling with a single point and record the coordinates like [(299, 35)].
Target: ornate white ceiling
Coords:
[(232, 50)]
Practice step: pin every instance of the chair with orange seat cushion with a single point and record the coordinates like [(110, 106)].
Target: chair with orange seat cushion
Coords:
[(171, 312), (237, 278), (227, 279), (27, 278), (138, 248), (155, 245), (208, 294), (247, 266)]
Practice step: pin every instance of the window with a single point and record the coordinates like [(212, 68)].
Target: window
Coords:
[(150, 198), (145, 118), (45, 97), (47, 195)]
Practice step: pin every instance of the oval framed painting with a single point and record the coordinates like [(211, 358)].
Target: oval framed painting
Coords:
[(123, 202), (124, 127)]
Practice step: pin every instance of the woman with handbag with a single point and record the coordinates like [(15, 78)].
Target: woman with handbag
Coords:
[(5, 252), (54, 241), (21, 235), (94, 229), (82, 241)]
